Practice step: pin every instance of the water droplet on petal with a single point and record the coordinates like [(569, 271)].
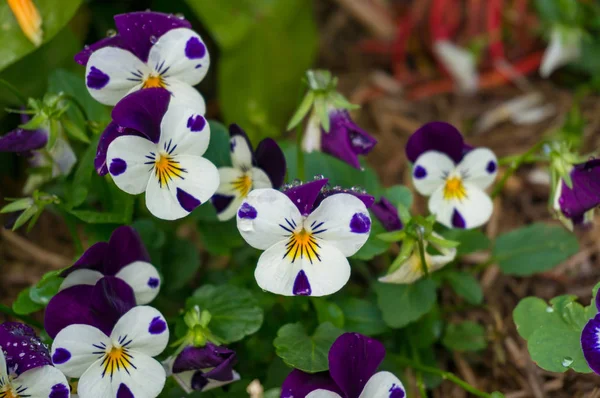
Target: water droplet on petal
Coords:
[(549, 309), (246, 225), (153, 39), (86, 47), (296, 182), (319, 177), (180, 15), (111, 33), (567, 361)]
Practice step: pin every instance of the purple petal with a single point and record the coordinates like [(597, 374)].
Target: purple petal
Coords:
[(111, 132), (353, 359), (304, 196), (110, 299), (270, 158), (22, 348), (143, 111), (367, 199), (345, 139), (590, 343), (140, 30), (216, 362), (221, 202), (387, 214), (84, 55), (585, 195), (124, 247), (436, 136), (20, 140), (92, 258), (234, 130), (300, 384)]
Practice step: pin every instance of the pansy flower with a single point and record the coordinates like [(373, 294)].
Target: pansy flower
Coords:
[(119, 363), (204, 368), (387, 214), (123, 256), (264, 168), (156, 148), (151, 49), (353, 363), (25, 366), (575, 206), (454, 175), (590, 340), (345, 140), (305, 246)]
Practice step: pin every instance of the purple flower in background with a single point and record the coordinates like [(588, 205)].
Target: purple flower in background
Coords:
[(123, 256), (590, 340), (453, 174), (305, 246), (345, 139), (205, 368), (151, 49), (25, 365), (387, 214), (575, 206), (119, 363), (353, 363), (264, 168)]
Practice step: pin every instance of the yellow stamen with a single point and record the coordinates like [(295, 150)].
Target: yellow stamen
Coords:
[(117, 359), (243, 185), (8, 392), (454, 189), (154, 81), (167, 169), (302, 244), (28, 18)]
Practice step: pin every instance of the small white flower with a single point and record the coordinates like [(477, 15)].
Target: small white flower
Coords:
[(564, 47), (119, 365), (457, 191), (459, 63)]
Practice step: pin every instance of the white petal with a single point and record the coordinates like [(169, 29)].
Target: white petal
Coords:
[(81, 277), (3, 366), (74, 347), (382, 385), (143, 279), (472, 211), (185, 95), (430, 171), (181, 195), (184, 131), (111, 73), (241, 153), (564, 48), (343, 221), (479, 167), (145, 327), (45, 381), (260, 179), (312, 134), (295, 272), (184, 53), (323, 394), (460, 64), (266, 217), (129, 161), (230, 211), (146, 380)]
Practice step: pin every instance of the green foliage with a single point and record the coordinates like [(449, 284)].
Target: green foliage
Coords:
[(465, 336), (304, 352), (24, 305), (362, 316), (471, 240), (46, 288), (465, 285), (180, 263), (328, 312), (414, 300), (235, 311), (534, 248)]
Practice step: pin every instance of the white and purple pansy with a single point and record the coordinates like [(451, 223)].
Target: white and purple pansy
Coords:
[(151, 49), (305, 246), (119, 364), (204, 368), (345, 139), (164, 158), (264, 168), (453, 174), (123, 256), (590, 340), (25, 366), (353, 363), (575, 206)]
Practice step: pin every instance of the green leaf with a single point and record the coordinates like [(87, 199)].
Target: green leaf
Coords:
[(426, 331), (23, 305), (465, 336), (25, 216), (82, 178), (304, 352), (302, 110), (36, 122), (362, 316), (534, 248), (181, 262), (374, 246), (328, 312), (471, 240), (399, 195), (55, 15), (218, 149), (154, 238), (235, 311), (46, 288), (74, 131), (221, 237), (403, 304), (17, 205), (466, 286)]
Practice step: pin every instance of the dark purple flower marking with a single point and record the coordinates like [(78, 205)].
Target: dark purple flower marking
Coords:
[(97, 79), (210, 362), (60, 356), (194, 48), (436, 136), (187, 201), (301, 285), (153, 282), (269, 157), (196, 123), (22, 349), (247, 211), (345, 139), (420, 172), (59, 391), (397, 392), (360, 223), (221, 202), (124, 392), (387, 214), (117, 166), (491, 167), (585, 194), (157, 326), (457, 220)]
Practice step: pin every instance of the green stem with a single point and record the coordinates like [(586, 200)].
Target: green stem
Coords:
[(300, 153), (515, 163), (30, 321), (420, 384), (443, 374), (421, 246), (22, 99)]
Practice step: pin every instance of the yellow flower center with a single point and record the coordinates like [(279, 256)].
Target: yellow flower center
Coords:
[(454, 189), (302, 244), (8, 392), (243, 185), (154, 81), (116, 359), (167, 169)]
